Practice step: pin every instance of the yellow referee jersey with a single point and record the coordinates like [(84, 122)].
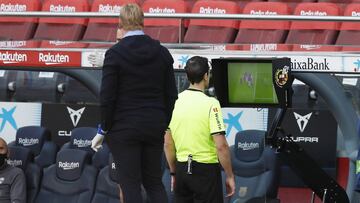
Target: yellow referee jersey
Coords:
[(196, 117)]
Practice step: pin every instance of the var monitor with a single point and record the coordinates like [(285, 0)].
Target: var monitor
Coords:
[(252, 82)]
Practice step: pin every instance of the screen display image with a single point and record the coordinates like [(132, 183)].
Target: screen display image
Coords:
[(251, 83)]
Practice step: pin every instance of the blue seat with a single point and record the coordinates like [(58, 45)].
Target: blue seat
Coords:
[(107, 190), (71, 180), (37, 139), (255, 167), (81, 139), (24, 159)]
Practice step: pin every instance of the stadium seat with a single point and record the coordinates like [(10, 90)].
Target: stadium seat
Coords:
[(38, 86), (24, 159), (37, 139), (255, 167), (252, 32), (302, 32), (350, 31), (213, 31), (165, 30), (340, 1), (81, 139), (107, 189), (14, 28), (62, 28), (104, 29), (70, 180)]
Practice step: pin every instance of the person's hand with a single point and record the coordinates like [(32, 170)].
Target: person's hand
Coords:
[(96, 142), (230, 186)]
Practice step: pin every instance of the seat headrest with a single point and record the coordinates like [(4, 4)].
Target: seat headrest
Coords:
[(249, 145), (20, 157), (70, 164), (32, 137), (81, 138), (112, 169)]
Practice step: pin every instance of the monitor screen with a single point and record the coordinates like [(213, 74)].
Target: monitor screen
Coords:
[(250, 83)]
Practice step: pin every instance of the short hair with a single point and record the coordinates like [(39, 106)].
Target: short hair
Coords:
[(131, 17), (195, 68)]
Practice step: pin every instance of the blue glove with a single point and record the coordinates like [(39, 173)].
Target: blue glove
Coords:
[(96, 142)]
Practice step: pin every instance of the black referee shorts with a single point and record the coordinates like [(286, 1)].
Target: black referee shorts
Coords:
[(204, 185)]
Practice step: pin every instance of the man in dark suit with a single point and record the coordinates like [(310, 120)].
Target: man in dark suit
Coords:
[(138, 93)]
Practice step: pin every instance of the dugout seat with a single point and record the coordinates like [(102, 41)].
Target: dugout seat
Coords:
[(37, 140), (164, 30), (213, 31), (14, 28), (7, 84), (81, 140), (24, 159), (255, 167), (38, 86), (104, 29), (255, 31), (314, 32), (76, 92), (350, 31), (62, 28), (71, 179), (107, 189)]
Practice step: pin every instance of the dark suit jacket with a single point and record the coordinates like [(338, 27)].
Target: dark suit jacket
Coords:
[(138, 83)]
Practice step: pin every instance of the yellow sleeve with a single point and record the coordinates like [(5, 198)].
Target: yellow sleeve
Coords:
[(216, 121)]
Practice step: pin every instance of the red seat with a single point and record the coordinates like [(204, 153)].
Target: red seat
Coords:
[(104, 29), (314, 32), (213, 31), (165, 30), (350, 31), (251, 31), (14, 28), (340, 1), (62, 28)]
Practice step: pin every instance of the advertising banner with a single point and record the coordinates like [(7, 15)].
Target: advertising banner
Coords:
[(238, 119), (61, 119), (316, 132), (14, 115)]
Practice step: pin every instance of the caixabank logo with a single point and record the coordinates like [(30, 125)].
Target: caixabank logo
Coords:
[(14, 115), (69, 117)]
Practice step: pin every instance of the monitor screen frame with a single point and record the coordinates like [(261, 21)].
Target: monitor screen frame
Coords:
[(220, 77)]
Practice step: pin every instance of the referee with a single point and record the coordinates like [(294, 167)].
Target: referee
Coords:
[(195, 142)]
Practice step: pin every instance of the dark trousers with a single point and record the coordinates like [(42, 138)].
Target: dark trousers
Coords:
[(204, 185), (138, 155)]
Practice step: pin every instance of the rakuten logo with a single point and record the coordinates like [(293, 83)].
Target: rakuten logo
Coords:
[(12, 7), (50, 59), (263, 47), (8, 58), (248, 146), (12, 44), (306, 139), (61, 8), (59, 43), (260, 12), (161, 10), (209, 10), (313, 13), (14, 162), (310, 46), (107, 8), (310, 64), (354, 13), (69, 165), (82, 143), (28, 142)]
